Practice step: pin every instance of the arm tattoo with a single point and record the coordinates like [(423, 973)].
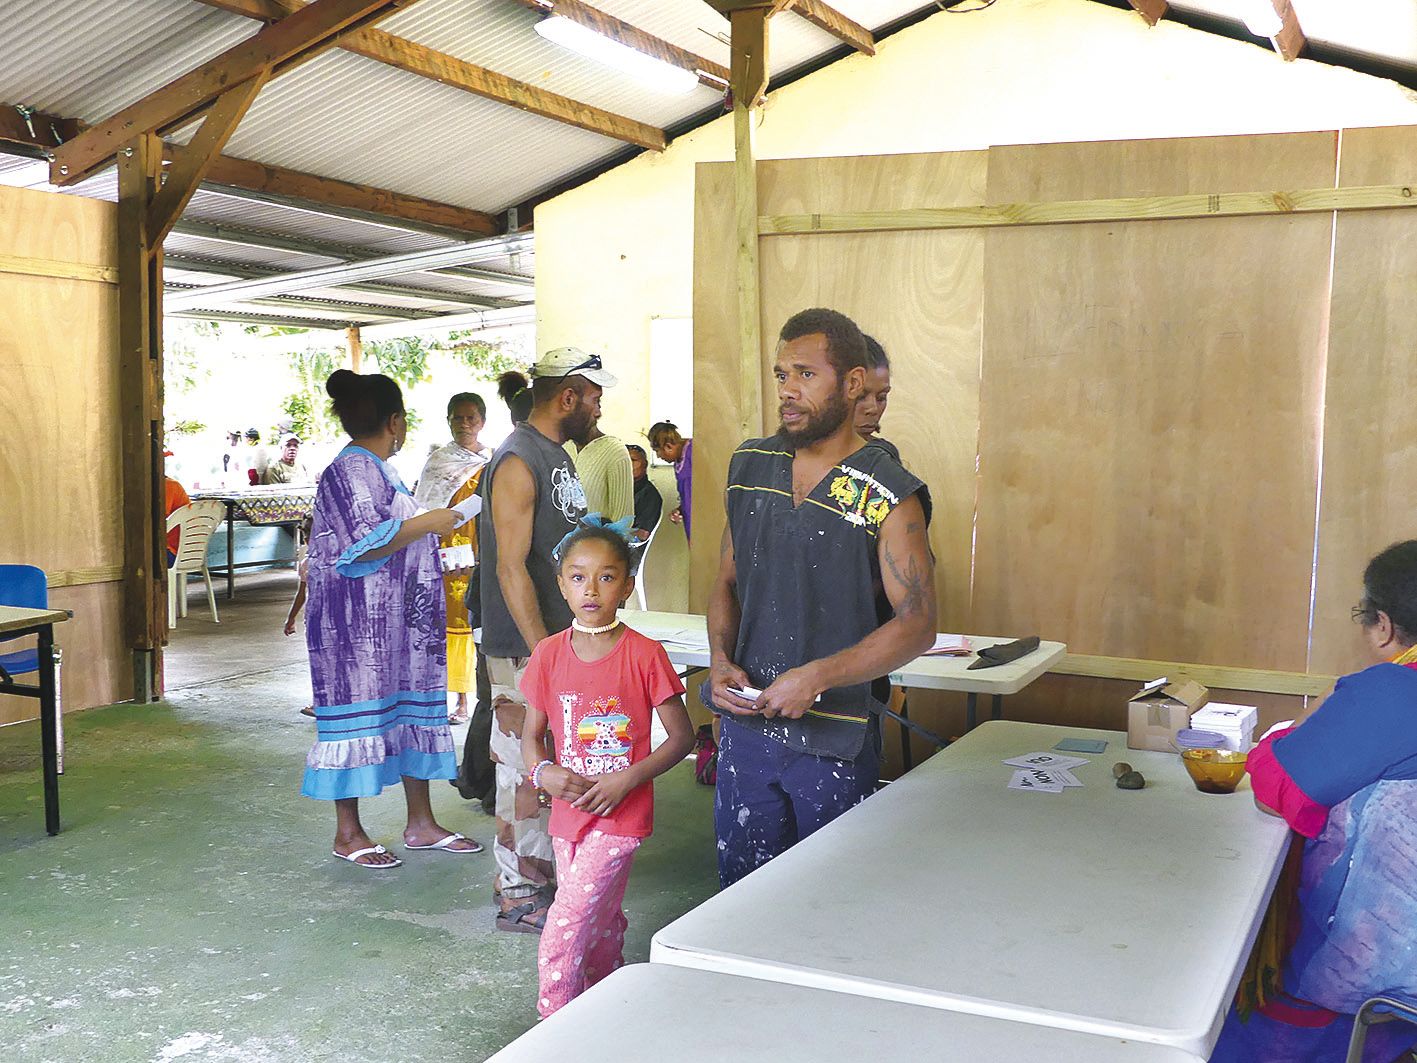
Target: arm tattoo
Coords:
[(912, 580)]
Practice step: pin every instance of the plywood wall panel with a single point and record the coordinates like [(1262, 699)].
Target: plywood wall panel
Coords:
[(59, 411), (63, 228), (59, 423), (1370, 437), (715, 370), (1150, 409)]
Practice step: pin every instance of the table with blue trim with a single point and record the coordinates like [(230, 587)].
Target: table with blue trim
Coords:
[(14, 623)]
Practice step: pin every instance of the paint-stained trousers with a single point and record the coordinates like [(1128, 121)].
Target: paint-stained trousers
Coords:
[(769, 797), (522, 848), (584, 939)]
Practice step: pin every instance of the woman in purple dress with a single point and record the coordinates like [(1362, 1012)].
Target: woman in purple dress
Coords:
[(375, 628)]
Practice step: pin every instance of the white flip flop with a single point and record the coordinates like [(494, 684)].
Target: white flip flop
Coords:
[(443, 843), (378, 850)]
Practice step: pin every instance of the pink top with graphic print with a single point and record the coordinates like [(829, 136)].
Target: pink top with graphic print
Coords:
[(600, 715)]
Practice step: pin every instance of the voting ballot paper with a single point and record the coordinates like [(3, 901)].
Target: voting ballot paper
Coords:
[(1044, 772)]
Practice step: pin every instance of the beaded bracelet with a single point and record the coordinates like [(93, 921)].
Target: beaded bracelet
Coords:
[(536, 772)]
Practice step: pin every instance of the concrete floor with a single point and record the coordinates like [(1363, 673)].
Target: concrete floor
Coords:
[(190, 909)]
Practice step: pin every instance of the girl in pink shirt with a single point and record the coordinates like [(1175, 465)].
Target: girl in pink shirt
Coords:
[(597, 685)]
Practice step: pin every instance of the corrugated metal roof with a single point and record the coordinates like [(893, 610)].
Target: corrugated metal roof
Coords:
[(90, 58)]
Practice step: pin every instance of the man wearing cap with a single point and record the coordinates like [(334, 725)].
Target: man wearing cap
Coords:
[(288, 470), (533, 496)]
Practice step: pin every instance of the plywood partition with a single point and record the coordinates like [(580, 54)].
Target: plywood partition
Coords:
[(1370, 436), (1151, 406), (59, 428), (1157, 440)]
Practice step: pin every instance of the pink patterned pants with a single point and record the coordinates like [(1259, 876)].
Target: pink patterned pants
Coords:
[(584, 937)]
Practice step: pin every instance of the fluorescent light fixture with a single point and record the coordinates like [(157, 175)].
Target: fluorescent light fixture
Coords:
[(1259, 16), (642, 67)]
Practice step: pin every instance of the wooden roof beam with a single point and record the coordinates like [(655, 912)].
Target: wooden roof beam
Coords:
[(48, 131), (1151, 10), (828, 18), (1290, 40), (449, 70), (273, 49), (710, 74)]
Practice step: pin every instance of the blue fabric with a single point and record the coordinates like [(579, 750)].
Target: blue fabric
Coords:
[(349, 563), (1366, 731), (329, 784), (365, 719), (769, 796), (1262, 1039)]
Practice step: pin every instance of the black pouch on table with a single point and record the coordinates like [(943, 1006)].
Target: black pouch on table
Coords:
[(1004, 653)]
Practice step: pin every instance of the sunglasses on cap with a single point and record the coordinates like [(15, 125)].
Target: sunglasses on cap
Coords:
[(593, 362)]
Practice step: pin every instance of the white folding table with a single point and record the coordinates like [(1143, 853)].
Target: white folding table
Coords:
[(651, 1011), (685, 639), (1127, 914)]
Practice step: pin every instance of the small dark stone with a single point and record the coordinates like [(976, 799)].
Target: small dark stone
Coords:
[(1132, 780), (1120, 768)]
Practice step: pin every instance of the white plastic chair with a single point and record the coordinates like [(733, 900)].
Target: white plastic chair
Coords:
[(197, 520), (643, 551)]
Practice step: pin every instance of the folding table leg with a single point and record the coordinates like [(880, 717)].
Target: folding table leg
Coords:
[(48, 732), (907, 756), (998, 710), (59, 709), (230, 551)]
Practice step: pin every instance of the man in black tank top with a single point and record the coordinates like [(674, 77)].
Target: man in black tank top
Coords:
[(817, 520), (531, 498)]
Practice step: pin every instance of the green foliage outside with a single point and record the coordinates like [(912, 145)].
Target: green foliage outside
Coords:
[(405, 360)]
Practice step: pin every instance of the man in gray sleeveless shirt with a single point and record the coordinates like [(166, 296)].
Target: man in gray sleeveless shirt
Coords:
[(531, 498)]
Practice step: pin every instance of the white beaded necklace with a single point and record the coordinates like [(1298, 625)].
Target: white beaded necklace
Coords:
[(578, 626)]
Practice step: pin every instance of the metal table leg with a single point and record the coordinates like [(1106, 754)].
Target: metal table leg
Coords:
[(907, 757), (48, 729), (971, 710), (998, 710), (230, 551)]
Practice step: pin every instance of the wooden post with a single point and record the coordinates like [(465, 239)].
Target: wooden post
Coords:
[(356, 347), (140, 421), (749, 29)]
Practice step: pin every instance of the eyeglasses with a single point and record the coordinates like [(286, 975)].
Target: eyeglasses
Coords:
[(1365, 613)]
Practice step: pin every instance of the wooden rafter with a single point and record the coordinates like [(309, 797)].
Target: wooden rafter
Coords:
[(35, 128), (1151, 10), (194, 159), (49, 131), (828, 18), (327, 191), (1290, 40), (714, 75), (449, 70), (274, 49)]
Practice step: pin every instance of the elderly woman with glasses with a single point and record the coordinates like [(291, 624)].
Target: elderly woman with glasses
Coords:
[(1345, 779)]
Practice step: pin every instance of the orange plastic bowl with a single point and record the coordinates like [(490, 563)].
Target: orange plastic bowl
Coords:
[(1215, 771)]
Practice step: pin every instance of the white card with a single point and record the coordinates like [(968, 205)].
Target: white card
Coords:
[(1044, 759), (1035, 780), (1064, 776), (468, 508)]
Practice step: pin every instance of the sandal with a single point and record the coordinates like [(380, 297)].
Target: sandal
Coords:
[(373, 850), (445, 844), (529, 917)]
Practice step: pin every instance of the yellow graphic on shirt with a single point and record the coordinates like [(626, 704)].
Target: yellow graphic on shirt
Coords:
[(863, 501)]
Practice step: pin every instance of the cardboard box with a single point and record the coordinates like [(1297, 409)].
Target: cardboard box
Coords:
[(1158, 710)]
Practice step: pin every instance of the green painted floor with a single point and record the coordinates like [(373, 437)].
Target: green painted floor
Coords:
[(190, 909)]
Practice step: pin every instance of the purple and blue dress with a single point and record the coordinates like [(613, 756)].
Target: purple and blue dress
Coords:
[(377, 638), (1346, 781)]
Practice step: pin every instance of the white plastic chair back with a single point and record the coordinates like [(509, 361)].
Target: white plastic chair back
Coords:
[(197, 520), (641, 580)]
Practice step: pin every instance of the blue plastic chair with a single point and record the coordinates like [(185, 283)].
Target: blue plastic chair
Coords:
[(27, 587), (1385, 1008)]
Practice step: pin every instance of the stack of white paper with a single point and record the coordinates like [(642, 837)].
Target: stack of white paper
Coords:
[(1235, 723), (1044, 772)]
